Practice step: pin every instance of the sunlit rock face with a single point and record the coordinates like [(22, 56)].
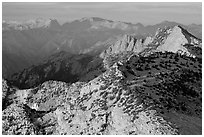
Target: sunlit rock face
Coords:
[(174, 41), (126, 43)]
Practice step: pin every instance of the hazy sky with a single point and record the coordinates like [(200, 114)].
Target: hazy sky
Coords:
[(146, 13)]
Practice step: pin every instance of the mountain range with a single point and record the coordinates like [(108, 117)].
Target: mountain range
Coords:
[(68, 67), (28, 43), (100, 77)]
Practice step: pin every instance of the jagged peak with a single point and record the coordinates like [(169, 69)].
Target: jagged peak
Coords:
[(127, 37), (176, 39), (179, 28)]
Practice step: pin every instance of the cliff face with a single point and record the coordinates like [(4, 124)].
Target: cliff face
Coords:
[(126, 43)]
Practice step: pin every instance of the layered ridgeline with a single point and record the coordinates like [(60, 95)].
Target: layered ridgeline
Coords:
[(61, 66), (142, 86), (26, 43), (22, 43), (67, 67)]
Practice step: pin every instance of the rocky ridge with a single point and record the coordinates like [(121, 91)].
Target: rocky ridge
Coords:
[(171, 39), (26, 43), (131, 97)]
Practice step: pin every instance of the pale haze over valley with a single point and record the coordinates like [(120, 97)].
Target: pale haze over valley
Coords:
[(145, 13)]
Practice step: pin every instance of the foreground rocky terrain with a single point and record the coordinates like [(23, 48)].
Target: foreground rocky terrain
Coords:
[(133, 97), (135, 86)]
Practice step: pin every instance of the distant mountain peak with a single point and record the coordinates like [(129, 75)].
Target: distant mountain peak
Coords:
[(92, 19), (54, 24), (168, 22), (30, 24)]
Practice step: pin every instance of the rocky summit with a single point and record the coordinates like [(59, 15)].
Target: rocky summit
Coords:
[(132, 85), (171, 39)]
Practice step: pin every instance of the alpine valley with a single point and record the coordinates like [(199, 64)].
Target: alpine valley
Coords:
[(94, 76)]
